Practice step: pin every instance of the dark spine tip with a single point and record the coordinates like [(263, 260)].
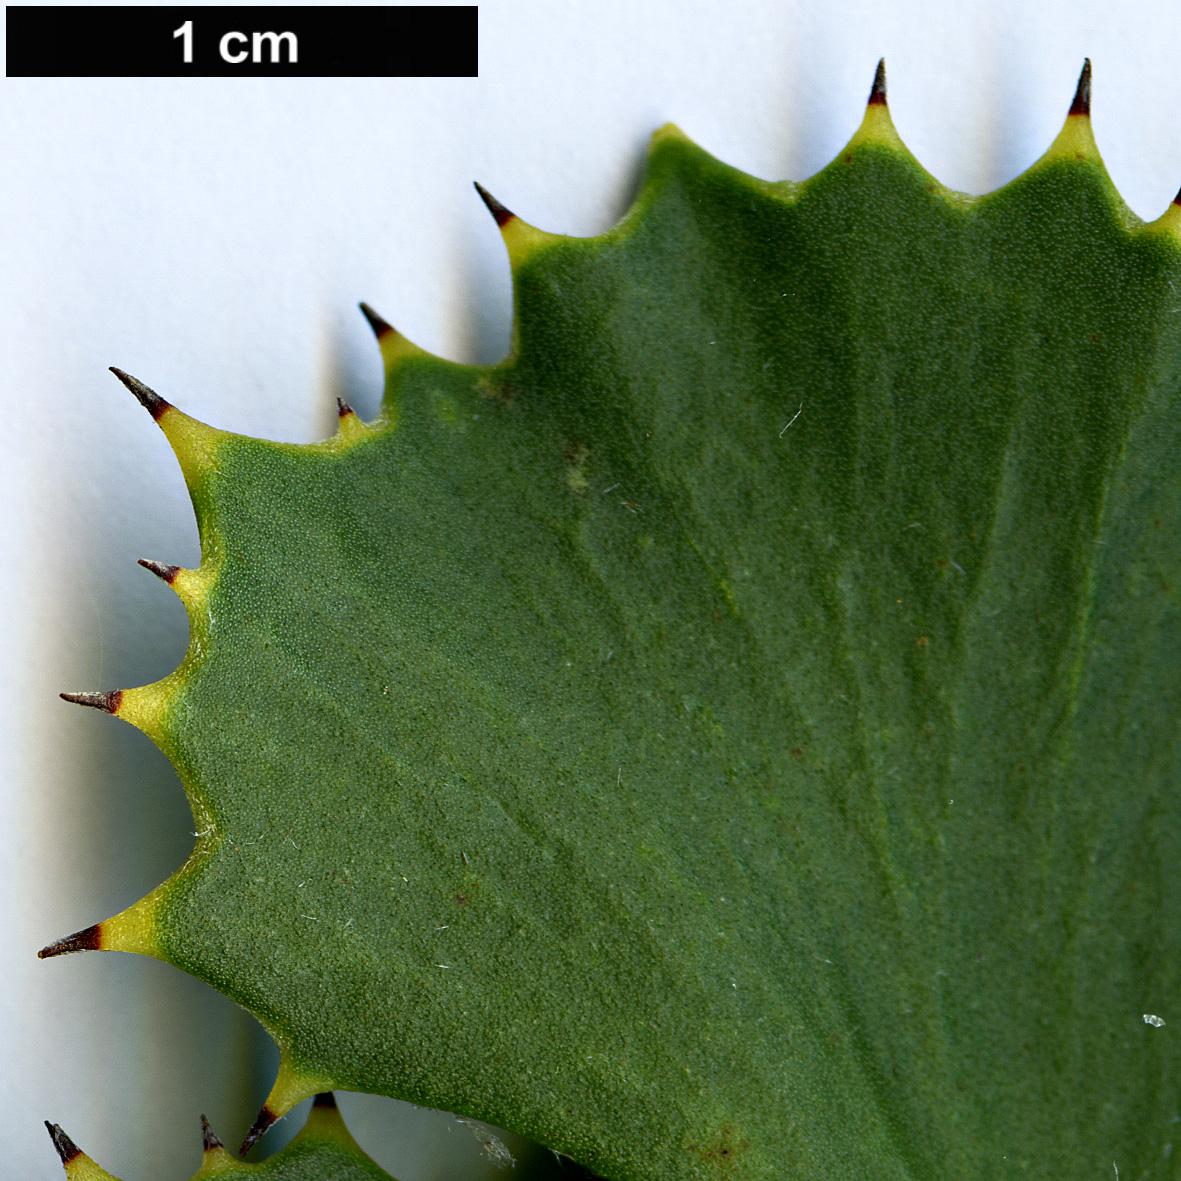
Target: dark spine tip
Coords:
[(343, 409), (379, 326), (325, 1099), (148, 399), (877, 93), (209, 1139), (66, 1148), (109, 702), (498, 211), (1082, 95), (168, 573), (1177, 199), (88, 940), (266, 1117)]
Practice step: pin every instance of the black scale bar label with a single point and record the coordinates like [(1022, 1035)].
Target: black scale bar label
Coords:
[(408, 41)]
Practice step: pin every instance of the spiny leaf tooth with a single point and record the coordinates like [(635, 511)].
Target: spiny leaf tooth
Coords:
[(292, 1086), (66, 1148), (90, 939), (160, 570), (78, 1166), (350, 428), (323, 1147), (215, 1161), (262, 1124), (148, 398), (877, 92), (1077, 139), (1081, 103), (500, 213), (194, 444), (133, 929), (520, 238), (209, 1139), (143, 707), (190, 586), (394, 346), (876, 126), (106, 700)]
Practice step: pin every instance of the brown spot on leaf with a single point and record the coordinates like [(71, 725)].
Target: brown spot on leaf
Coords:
[(724, 1150), (576, 456), (497, 389)]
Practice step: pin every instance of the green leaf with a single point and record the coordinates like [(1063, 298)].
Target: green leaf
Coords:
[(736, 735)]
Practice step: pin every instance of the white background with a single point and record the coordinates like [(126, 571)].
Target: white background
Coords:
[(213, 237)]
